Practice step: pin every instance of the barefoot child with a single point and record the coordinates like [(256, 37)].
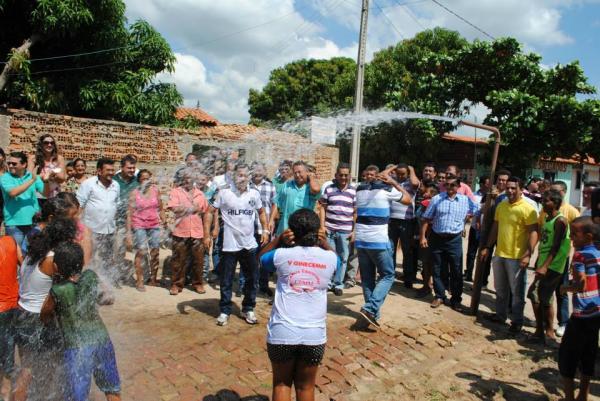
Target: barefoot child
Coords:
[(88, 349), (553, 253), (579, 345)]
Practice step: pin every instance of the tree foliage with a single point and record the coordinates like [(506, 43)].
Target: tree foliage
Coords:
[(116, 84), (538, 110)]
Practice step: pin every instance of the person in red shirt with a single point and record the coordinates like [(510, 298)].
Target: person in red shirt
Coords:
[(10, 259)]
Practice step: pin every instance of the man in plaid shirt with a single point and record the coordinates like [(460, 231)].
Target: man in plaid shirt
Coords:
[(267, 196)]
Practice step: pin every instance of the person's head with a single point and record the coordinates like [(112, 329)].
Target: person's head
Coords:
[(52, 208), (201, 181), (429, 191), (241, 176), (305, 224), (300, 170), (401, 171), (342, 174), (588, 189), (69, 169), (105, 169), (285, 169), (584, 232), (46, 149), (559, 186), (551, 201), (190, 159), (79, 166), (429, 171), (259, 172), (452, 171), (441, 177), (371, 173), (484, 183), (71, 204), (17, 163), (68, 259), (58, 230), (2, 158), (533, 186), (187, 179), (514, 189), (502, 177), (392, 172), (363, 176), (128, 163), (144, 178), (452, 185), (544, 185)]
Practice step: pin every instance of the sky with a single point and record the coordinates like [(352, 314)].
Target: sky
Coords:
[(226, 47)]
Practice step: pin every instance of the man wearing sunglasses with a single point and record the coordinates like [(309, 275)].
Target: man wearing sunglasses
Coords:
[(19, 187)]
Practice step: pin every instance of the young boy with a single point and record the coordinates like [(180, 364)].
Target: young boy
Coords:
[(428, 191), (580, 342), (88, 349), (553, 253)]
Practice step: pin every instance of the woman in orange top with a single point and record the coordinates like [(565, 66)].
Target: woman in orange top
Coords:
[(10, 259)]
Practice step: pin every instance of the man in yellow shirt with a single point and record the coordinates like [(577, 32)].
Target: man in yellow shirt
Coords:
[(515, 233), (562, 300)]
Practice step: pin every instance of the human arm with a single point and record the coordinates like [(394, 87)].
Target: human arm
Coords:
[(62, 175), (47, 312), (161, 208), (273, 218), (15, 191), (208, 221), (412, 176), (532, 239), (577, 284), (86, 245), (406, 196), (560, 231), (315, 187), (262, 216), (423, 236), (128, 227)]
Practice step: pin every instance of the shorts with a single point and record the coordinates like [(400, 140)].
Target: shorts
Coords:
[(7, 342), (542, 290), (81, 363), (311, 355), (579, 347), (33, 337), (149, 237)]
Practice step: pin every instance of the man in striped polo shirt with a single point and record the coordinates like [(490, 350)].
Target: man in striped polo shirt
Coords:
[(373, 199), (338, 203)]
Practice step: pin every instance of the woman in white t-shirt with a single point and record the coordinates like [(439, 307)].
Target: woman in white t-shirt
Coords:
[(296, 332)]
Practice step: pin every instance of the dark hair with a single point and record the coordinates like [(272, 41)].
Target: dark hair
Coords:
[(430, 164), (455, 167), (554, 196), (68, 257), (305, 224), (588, 226), (288, 163), (77, 160), (240, 166), (188, 155), (502, 172), (594, 184), (300, 163), (59, 230), (342, 165), (39, 150), (69, 198), (372, 167), (143, 171), (483, 179), (402, 165), (103, 161), (53, 207), (453, 180), (432, 187), (19, 155), (517, 180), (128, 159), (70, 164), (562, 184), (2, 152)]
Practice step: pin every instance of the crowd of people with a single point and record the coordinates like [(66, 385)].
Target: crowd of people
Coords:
[(67, 235)]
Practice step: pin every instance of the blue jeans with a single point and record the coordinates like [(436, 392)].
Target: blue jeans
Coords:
[(249, 265), (562, 300), (18, 233), (509, 279), (404, 231), (262, 276), (372, 262), (447, 253), (339, 242)]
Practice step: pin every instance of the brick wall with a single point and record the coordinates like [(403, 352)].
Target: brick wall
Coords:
[(159, 149)]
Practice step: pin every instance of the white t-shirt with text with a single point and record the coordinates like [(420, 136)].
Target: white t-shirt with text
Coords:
[(238, 214)]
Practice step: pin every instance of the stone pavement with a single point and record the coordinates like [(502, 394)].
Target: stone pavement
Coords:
[(169, 348)]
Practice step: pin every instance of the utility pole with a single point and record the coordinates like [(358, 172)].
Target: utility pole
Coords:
[(358, 95)]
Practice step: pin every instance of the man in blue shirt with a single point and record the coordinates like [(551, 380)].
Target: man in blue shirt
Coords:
[(446, 215), (20, 186)]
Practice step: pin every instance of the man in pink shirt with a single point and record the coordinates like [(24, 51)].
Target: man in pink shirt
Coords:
[(452, 171), (188, 204)]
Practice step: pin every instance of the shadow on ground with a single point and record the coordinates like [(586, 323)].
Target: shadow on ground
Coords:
[(228, 395), (495, 390)]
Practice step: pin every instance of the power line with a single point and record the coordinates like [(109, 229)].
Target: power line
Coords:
[(409, 13), (77, 54), (73, 68), (464, 19), (388, 20)]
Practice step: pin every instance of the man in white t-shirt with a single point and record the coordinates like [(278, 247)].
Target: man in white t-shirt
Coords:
[(238, 206)]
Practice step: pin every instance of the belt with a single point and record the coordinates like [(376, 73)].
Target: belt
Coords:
[(447, 235)]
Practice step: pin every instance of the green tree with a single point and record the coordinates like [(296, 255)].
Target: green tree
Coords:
[(304, 88), (115, 84)]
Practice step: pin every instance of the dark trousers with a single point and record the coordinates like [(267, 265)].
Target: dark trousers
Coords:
[(249, 267), (472, 246), (562, 300), (262, 276), (7, 344), (183, 249), (446, 253), (404, 232)]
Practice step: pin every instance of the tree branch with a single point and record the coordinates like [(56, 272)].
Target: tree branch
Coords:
[(15, 60)]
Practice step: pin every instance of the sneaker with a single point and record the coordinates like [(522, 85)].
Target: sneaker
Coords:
[(222, 320), (348, 284), (436, 303), (515, 328), (238, 293), (338, 292), (369, 317), (250, 317), (560, 331)]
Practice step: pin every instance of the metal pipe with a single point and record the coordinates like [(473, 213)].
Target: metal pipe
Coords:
[(488, 220)]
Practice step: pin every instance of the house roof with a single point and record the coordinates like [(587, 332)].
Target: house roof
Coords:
[(448, 136), (575, 160), (198, 114)]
